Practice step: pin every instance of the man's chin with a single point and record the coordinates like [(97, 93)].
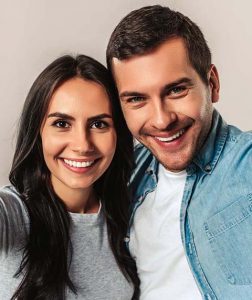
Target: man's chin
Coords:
[(175, 163), (174, 167)]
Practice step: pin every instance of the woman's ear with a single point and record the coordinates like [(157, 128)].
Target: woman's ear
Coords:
[(214, 83)]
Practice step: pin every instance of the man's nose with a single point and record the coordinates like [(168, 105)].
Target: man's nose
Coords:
[(161, 115)]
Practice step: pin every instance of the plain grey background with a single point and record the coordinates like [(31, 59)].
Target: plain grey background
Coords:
[(35, 32)]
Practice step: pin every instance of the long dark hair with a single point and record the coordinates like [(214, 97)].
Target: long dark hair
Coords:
[(45, 265)]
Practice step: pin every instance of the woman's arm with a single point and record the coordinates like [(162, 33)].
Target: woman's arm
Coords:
[(13, 219)]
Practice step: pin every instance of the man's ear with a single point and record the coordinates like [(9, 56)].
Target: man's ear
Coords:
[(214, 83)]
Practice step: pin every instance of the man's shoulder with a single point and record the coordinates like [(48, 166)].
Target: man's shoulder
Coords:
[(239, 140), (235, 131), (236, 158)]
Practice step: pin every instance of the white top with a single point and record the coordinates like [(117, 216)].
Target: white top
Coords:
[(156, 242)]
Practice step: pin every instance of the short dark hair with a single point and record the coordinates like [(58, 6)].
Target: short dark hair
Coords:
[(146, 28)]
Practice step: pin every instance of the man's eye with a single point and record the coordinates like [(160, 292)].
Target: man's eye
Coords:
[(135, 99), (99, 125), (177, 90), (61, 124)]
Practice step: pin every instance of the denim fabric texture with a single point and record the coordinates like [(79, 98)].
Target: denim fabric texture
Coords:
[(216, 210)]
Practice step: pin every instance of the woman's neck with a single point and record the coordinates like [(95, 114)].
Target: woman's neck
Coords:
[(81, 201), (77, 200)]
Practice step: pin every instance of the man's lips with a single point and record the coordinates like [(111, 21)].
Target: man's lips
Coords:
[(170, 138), (167, 136)]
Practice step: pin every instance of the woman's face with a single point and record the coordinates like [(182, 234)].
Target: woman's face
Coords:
[(78, 135)]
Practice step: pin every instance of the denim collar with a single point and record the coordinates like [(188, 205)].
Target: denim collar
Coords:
[(207, 158)]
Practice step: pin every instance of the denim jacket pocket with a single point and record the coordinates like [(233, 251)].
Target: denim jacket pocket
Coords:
[(230, 235)]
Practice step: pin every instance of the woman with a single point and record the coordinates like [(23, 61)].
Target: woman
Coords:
[(63, 220)]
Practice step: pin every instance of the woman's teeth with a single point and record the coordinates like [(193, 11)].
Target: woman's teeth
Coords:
[(78, 164)]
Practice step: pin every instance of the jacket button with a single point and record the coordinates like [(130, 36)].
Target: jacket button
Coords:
[(208, 168)]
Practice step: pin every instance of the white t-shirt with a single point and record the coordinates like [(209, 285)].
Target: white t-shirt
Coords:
[(156, 242)]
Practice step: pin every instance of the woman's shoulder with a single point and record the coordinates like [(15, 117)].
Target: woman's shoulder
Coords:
[(14, 220), (8, 190), (10, 199)]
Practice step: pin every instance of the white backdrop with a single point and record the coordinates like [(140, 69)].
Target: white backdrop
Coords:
[(33, 33)]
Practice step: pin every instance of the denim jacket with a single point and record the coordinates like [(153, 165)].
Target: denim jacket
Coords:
[(216, 210)]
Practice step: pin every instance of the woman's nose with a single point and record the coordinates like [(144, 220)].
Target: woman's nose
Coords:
[(82, 142)]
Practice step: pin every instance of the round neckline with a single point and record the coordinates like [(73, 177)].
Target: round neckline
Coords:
[(169, 173), (88, 218)]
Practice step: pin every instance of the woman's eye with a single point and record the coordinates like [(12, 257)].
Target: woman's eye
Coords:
[(61, 124), (99, 125)]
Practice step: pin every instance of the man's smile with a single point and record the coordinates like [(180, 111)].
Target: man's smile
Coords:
[(170, 138)]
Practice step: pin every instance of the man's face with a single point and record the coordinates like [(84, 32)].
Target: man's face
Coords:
[(166, 105)]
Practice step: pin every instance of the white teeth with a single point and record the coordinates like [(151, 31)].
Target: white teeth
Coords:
[(171, 138), (78, 164)]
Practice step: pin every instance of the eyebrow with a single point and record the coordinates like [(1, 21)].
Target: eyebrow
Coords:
[(130, 94), (100, 117), (68, 117), (60, 115), (164, 89)]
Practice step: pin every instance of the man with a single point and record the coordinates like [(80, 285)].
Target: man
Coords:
[(191, 224)]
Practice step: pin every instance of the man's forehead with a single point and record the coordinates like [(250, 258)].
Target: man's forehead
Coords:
[(169, 59), (173, 47), (171, 43)]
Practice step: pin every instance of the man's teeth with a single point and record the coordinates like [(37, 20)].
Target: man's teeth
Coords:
[(78, 164), (171, 138)]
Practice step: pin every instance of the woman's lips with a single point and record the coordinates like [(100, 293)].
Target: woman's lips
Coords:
[(79, 166)]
